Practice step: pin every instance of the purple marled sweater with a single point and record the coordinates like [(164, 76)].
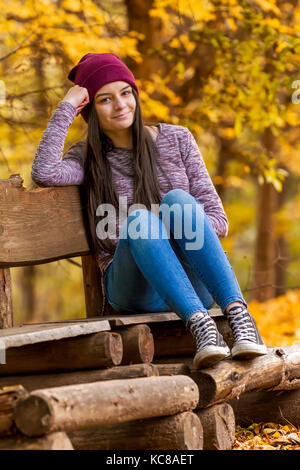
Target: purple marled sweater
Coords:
[(180, 161)]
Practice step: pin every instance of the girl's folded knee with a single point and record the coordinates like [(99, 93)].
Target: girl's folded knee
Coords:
[(174, 195)]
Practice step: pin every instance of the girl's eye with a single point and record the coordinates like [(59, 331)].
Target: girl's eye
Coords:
[(108, 98)]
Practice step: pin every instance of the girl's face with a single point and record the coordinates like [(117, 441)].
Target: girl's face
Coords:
[(115, 106)]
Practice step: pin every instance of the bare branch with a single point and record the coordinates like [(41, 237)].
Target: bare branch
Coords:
[(21, 95), (20, 46)]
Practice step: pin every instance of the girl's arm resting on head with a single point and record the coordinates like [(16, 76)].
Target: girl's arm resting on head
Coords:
[(202, 187), (49, 168)]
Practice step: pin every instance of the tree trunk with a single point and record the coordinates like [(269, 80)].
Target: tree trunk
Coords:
[(104, 403), (182, 431), (282, 262), (27, 274), (140, 20), (265, 253), (224, 156), (27, 292)]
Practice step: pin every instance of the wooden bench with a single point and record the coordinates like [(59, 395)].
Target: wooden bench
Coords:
[(40, 226)]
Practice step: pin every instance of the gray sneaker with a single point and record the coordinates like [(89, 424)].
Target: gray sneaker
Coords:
[(247, 341), (211, 347)]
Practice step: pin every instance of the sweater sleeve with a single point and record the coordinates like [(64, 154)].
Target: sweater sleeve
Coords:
[(49, 168), (202, 187)]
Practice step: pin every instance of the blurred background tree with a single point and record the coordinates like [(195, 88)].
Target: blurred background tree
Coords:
[(223, 68)]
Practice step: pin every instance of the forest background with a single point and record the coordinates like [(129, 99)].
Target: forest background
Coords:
[(226, 69)]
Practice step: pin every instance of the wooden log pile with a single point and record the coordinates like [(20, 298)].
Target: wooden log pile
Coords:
[(127, 383)]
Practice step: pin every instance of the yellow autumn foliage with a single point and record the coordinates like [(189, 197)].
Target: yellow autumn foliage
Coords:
[(278, 319)]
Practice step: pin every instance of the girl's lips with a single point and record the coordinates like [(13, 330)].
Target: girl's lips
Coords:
[(121, 116)]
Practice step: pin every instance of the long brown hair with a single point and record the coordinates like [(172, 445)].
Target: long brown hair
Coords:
[(98, 184)]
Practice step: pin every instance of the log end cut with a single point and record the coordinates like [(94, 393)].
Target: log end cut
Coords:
[(33, 416), (192, 432), (113, 349)]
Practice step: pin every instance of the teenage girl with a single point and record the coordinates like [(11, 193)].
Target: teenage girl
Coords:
[(162, 260)]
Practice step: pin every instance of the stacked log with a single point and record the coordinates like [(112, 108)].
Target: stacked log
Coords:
[(246, 387), (133, 386), (141, 413), (180, 431), (115, 401), (101, 403), (62, 354), (82, 352)]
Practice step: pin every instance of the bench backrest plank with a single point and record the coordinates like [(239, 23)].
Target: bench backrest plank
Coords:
[(40, 225)]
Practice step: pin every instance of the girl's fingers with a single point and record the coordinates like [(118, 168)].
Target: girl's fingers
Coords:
[(77, 96)]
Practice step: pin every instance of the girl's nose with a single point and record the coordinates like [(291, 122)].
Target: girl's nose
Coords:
[(119, 103)]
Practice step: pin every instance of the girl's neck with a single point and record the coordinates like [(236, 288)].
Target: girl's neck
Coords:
[(121, 138)]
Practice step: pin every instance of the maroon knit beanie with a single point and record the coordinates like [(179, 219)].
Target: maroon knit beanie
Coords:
[(95, 70)]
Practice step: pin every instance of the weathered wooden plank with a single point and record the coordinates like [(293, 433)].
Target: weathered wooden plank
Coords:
[(41, 332), (48, 331), (104, 403), (123, 319), (120, 320), (40, 225)]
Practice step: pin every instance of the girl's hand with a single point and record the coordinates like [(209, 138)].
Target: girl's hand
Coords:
[(78, 96)]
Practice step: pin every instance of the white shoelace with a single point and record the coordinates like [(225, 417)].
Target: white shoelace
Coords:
[(241, 325), (204, 330)]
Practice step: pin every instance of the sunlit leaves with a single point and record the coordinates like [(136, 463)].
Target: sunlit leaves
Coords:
[(267, 436), (278, 320)]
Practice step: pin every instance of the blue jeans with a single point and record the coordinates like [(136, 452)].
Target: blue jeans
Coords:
[(160, 274)]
